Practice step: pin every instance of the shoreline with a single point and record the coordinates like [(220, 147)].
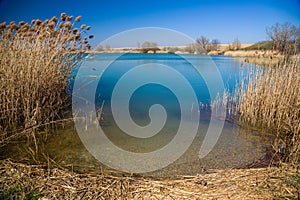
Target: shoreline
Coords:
[(223, 49), (257, 57), (50, 182)]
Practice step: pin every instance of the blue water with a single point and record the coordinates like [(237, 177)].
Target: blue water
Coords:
[(145, 96), (100, 74)]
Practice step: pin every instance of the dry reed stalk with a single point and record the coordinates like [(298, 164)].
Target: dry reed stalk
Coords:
[(269, 98), (53, 183), (35, 62)]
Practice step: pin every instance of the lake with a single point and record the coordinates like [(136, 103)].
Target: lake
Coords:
[(140, 102)]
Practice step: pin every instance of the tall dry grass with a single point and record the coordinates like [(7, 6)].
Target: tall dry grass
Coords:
[(35, 62), (269, 98)]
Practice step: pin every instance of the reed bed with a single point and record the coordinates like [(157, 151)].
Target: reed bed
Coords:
[(23, 181), (35, 63), (253, 53), (270, 98)]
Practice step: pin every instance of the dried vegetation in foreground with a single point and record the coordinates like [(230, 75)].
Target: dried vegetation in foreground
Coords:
[(20, 181)]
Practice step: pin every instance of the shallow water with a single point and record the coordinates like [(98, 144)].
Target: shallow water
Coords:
[(236, 146)]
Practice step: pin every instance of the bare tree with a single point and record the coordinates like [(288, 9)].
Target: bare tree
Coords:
[(148, 44), (214, 45), (194, 48), (172, 49), (285, 37), (99, 48), (107, 47), (203, 42), (236, 45), (189, 48)]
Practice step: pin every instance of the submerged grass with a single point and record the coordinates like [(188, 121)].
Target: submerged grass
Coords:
[(35, 64)]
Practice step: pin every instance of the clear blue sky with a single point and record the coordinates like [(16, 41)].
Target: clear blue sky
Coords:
[(223, 20)]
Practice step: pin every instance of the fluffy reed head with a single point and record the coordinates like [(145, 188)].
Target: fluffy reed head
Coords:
[(49, 30)]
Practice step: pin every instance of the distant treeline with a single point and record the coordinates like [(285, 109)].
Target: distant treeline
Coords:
[(284, 38)]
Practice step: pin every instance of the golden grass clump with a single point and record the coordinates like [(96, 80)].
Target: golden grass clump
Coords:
[(270, 98), (35, 63)]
